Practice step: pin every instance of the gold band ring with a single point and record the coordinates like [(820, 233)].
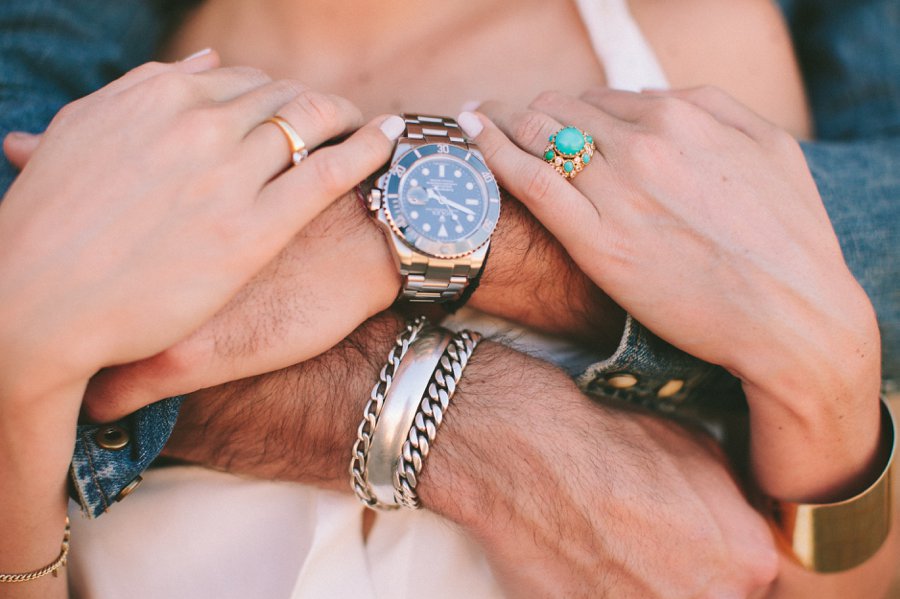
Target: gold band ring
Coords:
[(298, 147)]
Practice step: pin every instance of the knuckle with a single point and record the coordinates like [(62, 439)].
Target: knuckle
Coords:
[(375, 146), (67, 112), (648, 149), (169, 86), (490, 148), (316, 106), (783, 142), (290, 87), (672, 114), (530, 129), (329, 172), (202, 127), (546, 98), (711, 92), (538, 182), (253, 75), (149, 69)]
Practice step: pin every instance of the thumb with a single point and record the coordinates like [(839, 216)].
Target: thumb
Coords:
[(19, 146)]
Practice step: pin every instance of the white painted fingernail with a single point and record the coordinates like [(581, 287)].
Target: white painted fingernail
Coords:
[(197, 54), (470, 123), (393, 127), (470, 106)]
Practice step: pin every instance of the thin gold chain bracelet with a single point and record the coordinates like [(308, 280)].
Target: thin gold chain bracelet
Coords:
[(49, 569)]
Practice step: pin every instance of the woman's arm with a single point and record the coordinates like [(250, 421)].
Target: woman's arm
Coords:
[(702, 220), (94, 265), (741, 46)]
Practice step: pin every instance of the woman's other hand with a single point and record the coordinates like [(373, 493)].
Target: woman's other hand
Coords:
[(703, 221), (148, 204)]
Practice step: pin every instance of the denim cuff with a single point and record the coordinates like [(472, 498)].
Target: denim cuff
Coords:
[(647, 371), (110, 458)]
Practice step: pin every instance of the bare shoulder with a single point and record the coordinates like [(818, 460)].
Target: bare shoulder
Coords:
[(742, 46)]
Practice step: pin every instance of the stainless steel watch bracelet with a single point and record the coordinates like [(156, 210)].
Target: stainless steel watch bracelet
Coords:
[(433, 129), (429, 279)]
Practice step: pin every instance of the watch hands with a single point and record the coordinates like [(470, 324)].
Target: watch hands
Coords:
[(442, 201), (448, 202)]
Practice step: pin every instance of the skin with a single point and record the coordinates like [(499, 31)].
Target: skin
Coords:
[(130, 292), (503, 549), (478, 463), (806, 347)]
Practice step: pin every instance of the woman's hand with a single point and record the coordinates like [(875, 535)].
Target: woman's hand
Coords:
[(150, 203), (703, 221), (144, 209)]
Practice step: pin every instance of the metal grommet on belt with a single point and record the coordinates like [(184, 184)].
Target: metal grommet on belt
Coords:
[(129, 488), (112, 437)]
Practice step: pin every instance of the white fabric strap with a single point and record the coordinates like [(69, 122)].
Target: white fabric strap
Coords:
[(629, 60)]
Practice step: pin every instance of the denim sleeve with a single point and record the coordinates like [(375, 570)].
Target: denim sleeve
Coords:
[(849, 51), (860, 184), (53, 52)]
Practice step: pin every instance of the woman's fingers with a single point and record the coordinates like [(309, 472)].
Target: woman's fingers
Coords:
[(725, 109), (529, 129), (627, 106), (224, 84), (196, 63), (548, 196), (19, 146), (294, 198), (314, 116)]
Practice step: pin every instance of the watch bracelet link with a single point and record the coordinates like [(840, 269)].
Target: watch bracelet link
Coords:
[(428, 279), (426, 129)]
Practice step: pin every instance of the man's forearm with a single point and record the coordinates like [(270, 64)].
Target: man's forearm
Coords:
[(297, 423), (529, 278), (562, 494)]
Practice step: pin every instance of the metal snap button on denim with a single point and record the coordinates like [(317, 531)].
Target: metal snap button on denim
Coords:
[(129, 488), (622, 381), (112, 437), (670, 388)]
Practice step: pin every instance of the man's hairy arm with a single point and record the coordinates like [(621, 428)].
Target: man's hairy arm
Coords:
[(337, 273), (566, 497), (530, 279)]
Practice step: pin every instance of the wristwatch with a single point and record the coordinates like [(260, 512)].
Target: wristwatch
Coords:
[(438, 204)]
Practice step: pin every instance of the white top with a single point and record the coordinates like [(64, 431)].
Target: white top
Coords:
[(191, 532), (627, 57)]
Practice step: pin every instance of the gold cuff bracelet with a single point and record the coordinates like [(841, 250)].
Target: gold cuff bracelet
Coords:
[(834, 537)]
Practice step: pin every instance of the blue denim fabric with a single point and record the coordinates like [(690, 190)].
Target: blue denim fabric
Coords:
[(54, 51), (101, 474), (860, 184), (849, 52), (655, 364)]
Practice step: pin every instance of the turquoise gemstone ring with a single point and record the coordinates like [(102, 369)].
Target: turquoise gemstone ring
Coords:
[(569, 151)]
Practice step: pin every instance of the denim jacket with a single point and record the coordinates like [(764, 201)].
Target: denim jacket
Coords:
[(53, 51)]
